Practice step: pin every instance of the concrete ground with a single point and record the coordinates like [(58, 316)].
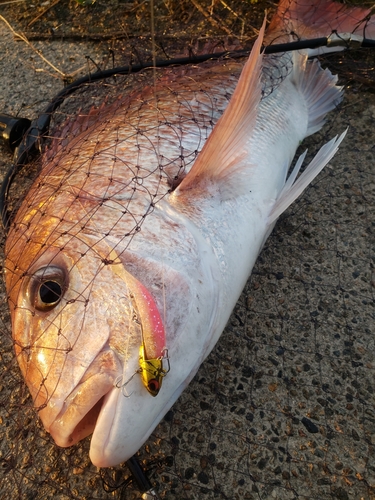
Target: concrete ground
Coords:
[(283, 408)]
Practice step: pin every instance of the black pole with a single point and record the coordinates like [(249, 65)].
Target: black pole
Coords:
[(139, 476)]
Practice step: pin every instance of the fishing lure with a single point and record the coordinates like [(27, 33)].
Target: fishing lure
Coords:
[(152, 371)]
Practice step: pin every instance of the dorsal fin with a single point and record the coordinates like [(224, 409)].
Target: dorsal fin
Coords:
[(222, 156)]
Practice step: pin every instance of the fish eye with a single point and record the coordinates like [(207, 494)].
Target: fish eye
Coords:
[(47, 288), (50, 292)]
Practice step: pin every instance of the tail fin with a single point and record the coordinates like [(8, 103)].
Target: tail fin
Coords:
[(318, 88), (318, 18)]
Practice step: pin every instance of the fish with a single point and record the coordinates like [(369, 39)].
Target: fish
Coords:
[(133, 244)]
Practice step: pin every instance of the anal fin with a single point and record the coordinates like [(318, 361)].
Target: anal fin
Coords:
[(293, 188)]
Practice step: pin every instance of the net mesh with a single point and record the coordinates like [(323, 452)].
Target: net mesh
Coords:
[(283, 407)]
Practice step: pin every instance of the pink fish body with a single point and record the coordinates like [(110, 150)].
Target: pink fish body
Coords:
[(114, 259)]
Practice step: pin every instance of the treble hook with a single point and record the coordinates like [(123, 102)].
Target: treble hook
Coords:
[(118, 385)]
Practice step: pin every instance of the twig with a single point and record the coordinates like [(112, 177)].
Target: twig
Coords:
[(237, 16), (24, 39), (211, 18), (230, 10), (12, 1), (42, 13)]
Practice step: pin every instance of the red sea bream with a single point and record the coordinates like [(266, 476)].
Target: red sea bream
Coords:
[(141, 229)]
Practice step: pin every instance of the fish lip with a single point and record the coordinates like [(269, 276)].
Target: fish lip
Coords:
[(80, 410), (109, 451)]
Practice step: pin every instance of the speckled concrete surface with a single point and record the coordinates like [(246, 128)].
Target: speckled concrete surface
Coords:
[(283, 407)]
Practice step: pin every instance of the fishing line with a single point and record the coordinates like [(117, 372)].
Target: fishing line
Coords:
[(154, 62)]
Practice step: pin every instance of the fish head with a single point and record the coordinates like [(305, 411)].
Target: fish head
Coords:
[(90, 340), (70, 332)]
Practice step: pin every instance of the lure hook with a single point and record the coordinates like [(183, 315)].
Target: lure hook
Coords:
[(121, 386)]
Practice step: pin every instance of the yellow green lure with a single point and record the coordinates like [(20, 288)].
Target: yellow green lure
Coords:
[(152, 371)]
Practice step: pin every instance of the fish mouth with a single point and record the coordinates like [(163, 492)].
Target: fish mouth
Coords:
[(80, 410)]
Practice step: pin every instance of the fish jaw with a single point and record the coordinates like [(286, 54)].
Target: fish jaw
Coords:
[(129, 413), (106, 449), (126, 420), (78, 416)]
